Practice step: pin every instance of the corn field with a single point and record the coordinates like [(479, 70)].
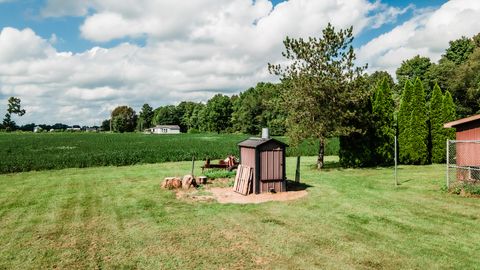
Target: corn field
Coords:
[(21, 152)]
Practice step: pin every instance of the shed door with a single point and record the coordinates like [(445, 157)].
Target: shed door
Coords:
[(271, 164)]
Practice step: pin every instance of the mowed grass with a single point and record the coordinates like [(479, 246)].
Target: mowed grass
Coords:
[(20, 152), (118, 217)]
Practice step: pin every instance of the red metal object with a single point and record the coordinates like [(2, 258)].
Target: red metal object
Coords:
[(467, 154), (467, 129)]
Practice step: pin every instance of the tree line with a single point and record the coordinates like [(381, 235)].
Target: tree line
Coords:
[(247, 113), (426, 96)]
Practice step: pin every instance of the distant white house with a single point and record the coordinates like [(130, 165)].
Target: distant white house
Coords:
[(165, 129)]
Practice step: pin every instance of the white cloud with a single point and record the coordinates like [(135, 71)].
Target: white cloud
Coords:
[(426, 34), (18, 45), (389, 14), (193, 50)]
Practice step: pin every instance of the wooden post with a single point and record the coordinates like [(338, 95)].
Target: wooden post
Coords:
[(448, 165), (297, 171), (193, 165)]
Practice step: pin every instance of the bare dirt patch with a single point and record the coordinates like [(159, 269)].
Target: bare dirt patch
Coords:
[(227, 195)]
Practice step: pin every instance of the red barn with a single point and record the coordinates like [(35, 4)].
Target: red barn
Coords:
[(467, 146)]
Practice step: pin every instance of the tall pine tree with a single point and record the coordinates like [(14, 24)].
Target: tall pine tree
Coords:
[(448, 114), (437, 132), (417, 149), (383, 109), (403, 119)]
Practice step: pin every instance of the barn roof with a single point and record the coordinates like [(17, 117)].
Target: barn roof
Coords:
[(168, 126), (256, 142), (462, 121)]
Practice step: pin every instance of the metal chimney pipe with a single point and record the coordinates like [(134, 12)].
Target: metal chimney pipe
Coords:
[(265, 133)]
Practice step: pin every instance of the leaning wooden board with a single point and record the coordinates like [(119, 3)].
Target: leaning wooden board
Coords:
[(243, 180)]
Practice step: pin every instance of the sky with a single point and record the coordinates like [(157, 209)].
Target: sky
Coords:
[(74, 61)]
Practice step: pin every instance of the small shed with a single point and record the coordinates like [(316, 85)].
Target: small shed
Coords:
[(267, 158), (467, 146)]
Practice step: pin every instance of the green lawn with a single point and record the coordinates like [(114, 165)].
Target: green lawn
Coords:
[(118, 217)]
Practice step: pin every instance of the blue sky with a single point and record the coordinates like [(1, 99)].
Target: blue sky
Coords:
[(26, 14), (74, 61)]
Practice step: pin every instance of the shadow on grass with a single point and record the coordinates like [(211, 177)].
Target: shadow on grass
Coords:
[(335, 165), (295, 186), (329, 165), (401, 182)]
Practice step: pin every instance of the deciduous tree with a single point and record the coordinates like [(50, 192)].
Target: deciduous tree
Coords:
[(217, 113), (166, 115), (105, 125), (123, 119), (459, 50), (259, 107), (145, 117), (411, 69), (465, 85)]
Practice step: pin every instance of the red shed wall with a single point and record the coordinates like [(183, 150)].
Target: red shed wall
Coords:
[(247, 158), (468, 154), (271, 165), (272, 168), (469, 131)]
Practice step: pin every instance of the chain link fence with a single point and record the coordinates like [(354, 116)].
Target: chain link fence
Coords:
[(463, 161)]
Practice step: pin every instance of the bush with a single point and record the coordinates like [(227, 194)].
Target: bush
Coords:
[(193, 131), (467, 188)]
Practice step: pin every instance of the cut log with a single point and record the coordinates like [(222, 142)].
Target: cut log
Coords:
[(188, 182), (171, 183), (177, 182), (201, 180)]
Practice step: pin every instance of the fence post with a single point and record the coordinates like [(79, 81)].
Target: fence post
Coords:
[(448, 164), (396, 181), (297, 171), (193, 164)]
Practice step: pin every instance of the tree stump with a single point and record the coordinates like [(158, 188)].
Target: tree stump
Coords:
[(201, 180), (188, 182), (171, 183)]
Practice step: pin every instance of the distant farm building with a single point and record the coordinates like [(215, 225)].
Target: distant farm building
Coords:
[(74, 128), (91, 129), (165, 129), (467, 147), (267, 158)]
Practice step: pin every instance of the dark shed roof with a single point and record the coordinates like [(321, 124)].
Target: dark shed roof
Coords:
[(462, 121), (256, 142)]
